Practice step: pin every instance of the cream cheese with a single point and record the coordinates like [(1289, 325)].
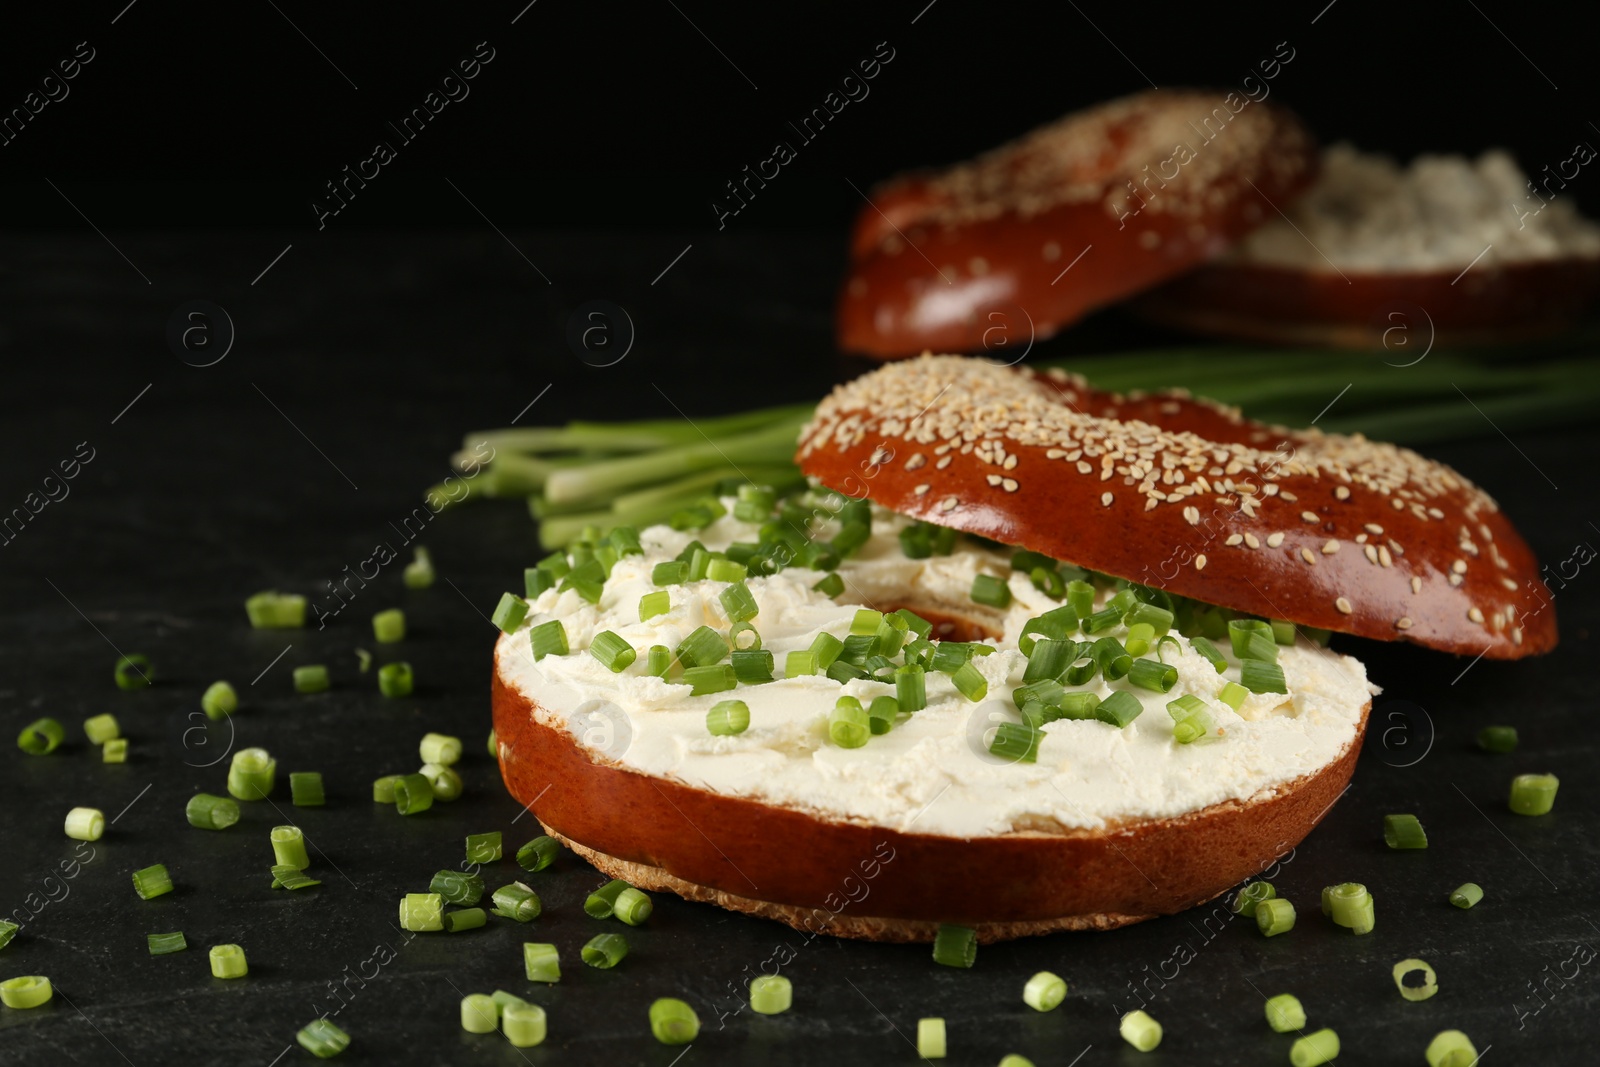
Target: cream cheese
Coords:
[(932, 773)]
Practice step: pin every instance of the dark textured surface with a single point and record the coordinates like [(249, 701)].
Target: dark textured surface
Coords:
[(383, 351)]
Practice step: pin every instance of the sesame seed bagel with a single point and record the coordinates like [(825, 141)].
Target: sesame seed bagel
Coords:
[(1324, 530), (1141, 189)]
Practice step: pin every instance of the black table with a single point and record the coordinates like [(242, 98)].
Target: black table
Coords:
[(358, 363)]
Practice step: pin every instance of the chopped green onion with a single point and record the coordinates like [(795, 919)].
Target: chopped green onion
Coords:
[(699, 564), (717, 678), (523, 1024), (702, 648), (659, 661), (827, 649), (421, 912), (1275, 916), (101, 728), (1251, 896), (1451, 1048), (632, 906), (1140, 1030), (322, 1039), (535, 580), (133, 672), (285, 876), (305, 789), (1016, 741), (390, 626), (114, 751), (910, 687), (1049, 658), (479, 1013), (1533, 794), (1466, 894), (289, 847), (1080, 598), (1282, 631), (915, 542), (955, 946), (1159, 619), (419, 572), (751, 666), (312, 678), (605, 951), (1239, 632), (931, 1043), (830, 585), (728, 717), (383, 789), (1233, 694), (440, 748), (1415, 991), (726, 570), (987, 589), (40, 737), (1153, 675), (613, 651), (1113, 659), (363, 660), (1259, 647), (969, 681), (507, 615), (653, 604), (444, 781), (1119, 709), (1403, 831), (770, 994), (602, 902), (1314, 1049), (1498, 738), (395, 679), (464, 919), (85, 824), (857, 647), (851, 537), (1140, 634), (1285, 1013), (1209, 652), (799, 662), (227, 961), (1048, 581), (848, 724), (548, 639), (211, 812), (738, 602), (484, 848), (673, 1022), (587, 580), (541, 961), (412, 793), (1122, 602), (251, 774), (1015, 1059), (1350, 905), (8, 930), (26, 991), (165, 944), (914, 623), (517, 901), (1102, 620), (555, 564), (1044, 991), (672, 572), (1258, 676), (272, 610), (881, 714), (865, 622)]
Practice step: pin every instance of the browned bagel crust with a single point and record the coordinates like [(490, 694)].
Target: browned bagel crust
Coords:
[(1152, 184), (781, 856), (1325, 530)]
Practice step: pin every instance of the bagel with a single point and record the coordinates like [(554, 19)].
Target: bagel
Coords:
[(1142, 188)]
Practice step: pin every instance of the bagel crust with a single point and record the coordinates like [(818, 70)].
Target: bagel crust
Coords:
[(1324, 530)]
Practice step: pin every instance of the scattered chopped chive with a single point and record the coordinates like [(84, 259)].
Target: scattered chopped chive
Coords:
[(285, 876), (1403, 831), (85, 824), (843, 672), (987, 589), (1451, 1048), (673, 1022), (464, 919), (312, 678), (165, 944), (133, 672), (857, 647), (1015, 1059), (726, 570), (322, 1039), (1498, 738), (914, 623), (1049, 658), (419, 572), (603, 901), (390, 626), (1048, 581), (826, 648), (101, 728), (751, 666), (969, 681), (955, 946), (1016, 741), (605, 951), (272, 610), (289, 847), (555, 564), (1285, 1013), (1102, 620), (479, 1013), (1080, 598), (910, 688), (26, 991), (770, 994), (548, 639), (541, 962), (717, 678), (219, 700), (1533, 794), (421, 912), (1251, 896), (1415, 991), (851, 537), (1044, 991), (227, 961), (1140, 635), (702, 648), (1314, 1049), (114, 751), (1350, 905), (1275, 916), (507, 615), (931, 1043), (699, 564), (517, 901), (799, 662), (484, 848), (1140, 1030), (865, 622), (881, 714), (1112, 658), (252, 774), (738, 602), (211, 812), (363, 660), (632, 906), (1259, 676), (1233, 694), (1466, 894), (1079, 706), (1239, 632), (587, 580), (1122, 602), (305, 789), (848, 723), (440, 748), (412, 793), (383, 789), (1259, 647), (672, 572), (40, 737), (613, 651), (395, 679), (1119, 709), (728, 717), (1159, 619), (535, 580), (1282, 631), (444, 781), (659, 661), (523, 1024), (8, 930), (653, 604), (1209, 652), (1153, 675), (830, 585)]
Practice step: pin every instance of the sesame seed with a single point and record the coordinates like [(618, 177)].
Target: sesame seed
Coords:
[(1403, 623), (944, 462), (1273, 539), (1516, 636), (1310, 516), (1341, 492), (1200, 562), (1371, 554), (1508, 583), (1399, 505), (1384, 557), (1459, 566), (1476, 615), (1192, 515), (1084, 467), (1251, 542), (1416, 584), (994, 479), (950, 503), (1286, 495), (1106, 498), (1343, 605), (1456, 579), (1374, 529), (1305, 554), (1010, 485), (916, 462), (1234, 539), (923, 488), (1330, 548)]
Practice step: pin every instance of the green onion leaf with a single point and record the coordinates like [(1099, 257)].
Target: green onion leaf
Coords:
[(931, 1038), (395, 679), (419, 572), (1210, 652), (910, 688), (1451, 1048), (251, 774), (227, 961), (848, 724), (311, 679), (422, 912), (1016, 741), (1140, 1030), (484, 848), (40, 737), (1403, 831), (1466, 894), (770, 994), (990, 590), (882, 713), (1314, 1049), (1498, 738), (272, 610), (659, 662), (305, 789), (799, 662), (653, 604), (1233, 694), (1119, 709), (827, 649), (548, 639), (605, 951), (541, 962), (322, 1039), (738, 602), (440, 748), (1259, 676), (728, 717), (1285, 1013), (1415, 991), (1251, 896), (672, 1022), (517, 901), (717, 678), (153, 881), (289, 847), (1153, 675), (613, 651), (1275, 916), (702, 648), (602, 901), (1533, 794), (165, 944), (955, 946), (672, 572), (412, 793), (508, 614), (632, 906)]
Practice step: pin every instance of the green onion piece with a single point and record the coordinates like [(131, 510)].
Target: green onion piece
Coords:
[(1259, 676), (8, 930), (738, 603), (1048, 581), (931, 1043), (219, 700), (440, 748), (422, 912), (114, 751), (672, 572), (830, 585), (770, 994), (1015, 1059), (1251, 896), (535, 580), (1210, 652), (910, 688), (517, 901), (464, 919), (479, 1013), (728, 717), (227, 961), (412, 793), (1314, 1049), (1498, 738), (857, 647), (587, 580), (726, 570), (1140, 1030), (305, 789), (865, 622), (289, 847), (653, 604), (799, 662), (1044, 991), (699, 564), (632, 906), (751, 666), (1403, 831), (390, 626), (363, 660), (1466, 894), (1533, 794), (1112, 658), (1282, 631), (383, 789), (955, 946), (605, 951), (1349, 905), (1157, 618), (291, 878), (272, 610), (1119, 709), (1259, 647), (40, 737), (555, 564), (969, 681), (484, 848), (1153, 675), (1451, 1048), (1239, 631), (1016, 741), (851, 537), (1079, 705), (1233, 694), (85, 824), (165, 944), (419, 572), (1275, 916), (915, 623), (702, 648), (444, 781), (672, 1022), (848, 723), (1080, 598), (524, 1025), (613, 651), (626, 540), (827, 649), (395, 679), (312, 678), (507, 615), (1415, 991), (322, 1039), (1140, 634), (101, 728), (1049, 659), (1102, 620), (541, 961), (987, 589), (915, 541), (1285, 1013), (659, 661), (602, 901), (1122, 602), (548, 639), (26, 991), (881, 714), (718, 678), (252, 774)]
